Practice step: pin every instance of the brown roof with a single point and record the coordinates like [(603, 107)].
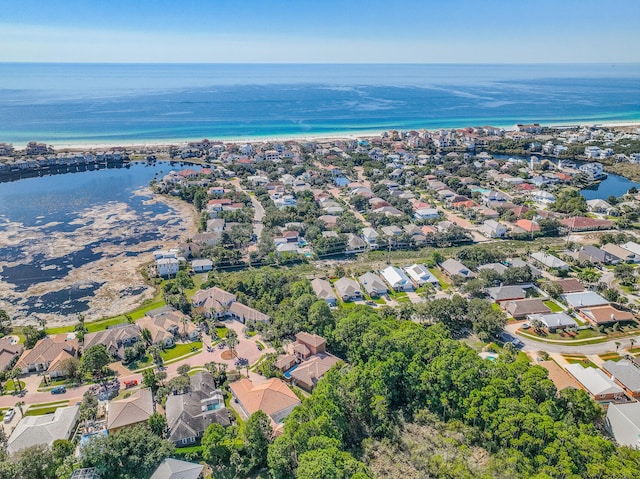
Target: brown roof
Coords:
[(559, 376), (310, 339), (8, 351), (136, 408), (47, 349), (584, 222), (527, 225), (570, 285), (606, 314), (526, 306), (269, 397), (309, 372), (243, 311)]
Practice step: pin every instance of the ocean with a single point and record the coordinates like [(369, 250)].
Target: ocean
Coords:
[(145, 103)]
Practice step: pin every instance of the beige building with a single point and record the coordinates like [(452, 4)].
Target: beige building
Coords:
[(272, 397), (133, 410)]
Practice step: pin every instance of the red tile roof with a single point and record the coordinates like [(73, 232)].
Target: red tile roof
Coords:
[(584, 223)]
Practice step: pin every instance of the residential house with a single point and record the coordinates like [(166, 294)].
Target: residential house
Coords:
[(584, 223), (426, 214), (596, 255), (348, 289), (493, 229), (453, 267), (189, 415), (9, 352), (554, 321), (569, 285), (599, 315), (584, 299), (599, 386), (506, 293), (172, 468), (632, 247), (273, 397), (626, 375), (115, 339), (623, 423), (308, 373), (373, 284), (166, 324), (243, 313), (599, 206), (542, 197), (167, 267), (549, 261), (420, 275), (397, 279), (201, 265), (323, 290), (312, 342), (497, 267), (527, 226), (44, 430), (355, 244), (622, 254), (213, 302), (48, 354), (136, 409), (522, 308)]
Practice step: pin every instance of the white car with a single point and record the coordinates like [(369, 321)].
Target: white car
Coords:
[(9, 415)]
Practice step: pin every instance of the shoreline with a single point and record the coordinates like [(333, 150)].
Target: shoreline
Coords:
[(347, 135)]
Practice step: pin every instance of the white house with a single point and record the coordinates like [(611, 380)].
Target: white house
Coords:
[(542, 197), (397, 279), (421, 275), (593, 171), (201, 265), (549, 260), (167, 266), (493, 229), (426, 214), (370, 237), (623, 422)]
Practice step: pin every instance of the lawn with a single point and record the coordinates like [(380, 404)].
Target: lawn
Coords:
[(553, 306), (443, 283), (222, 332), (9, 387), (610, 357), (578, 359), (582, 334), (181, 350), (44, 408)]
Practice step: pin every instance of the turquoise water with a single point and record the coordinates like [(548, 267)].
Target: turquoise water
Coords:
[(100, 103), (287, 374)]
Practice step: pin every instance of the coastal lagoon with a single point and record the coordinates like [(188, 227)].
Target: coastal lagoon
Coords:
[(75, 242), (129, 103)]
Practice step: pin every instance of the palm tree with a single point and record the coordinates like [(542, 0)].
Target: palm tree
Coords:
[(617, 346), (15, 375), (19, 405), (632, 341), (232, 339)]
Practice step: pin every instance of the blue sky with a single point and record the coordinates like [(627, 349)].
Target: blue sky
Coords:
[(321, 31)]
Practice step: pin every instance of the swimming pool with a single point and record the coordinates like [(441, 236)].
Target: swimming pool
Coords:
[(287, 374)]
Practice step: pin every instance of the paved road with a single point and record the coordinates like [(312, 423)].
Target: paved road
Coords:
[(599, 348)]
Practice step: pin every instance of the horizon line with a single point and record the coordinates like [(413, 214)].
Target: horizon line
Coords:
[(613, 63)]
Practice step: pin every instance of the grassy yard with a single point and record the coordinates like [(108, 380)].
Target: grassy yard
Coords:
[(9, 387), (44, 408), (444, 284), (553, 306), (222, 332), (610, 357), (578, 359), (584, 334), (181, 350)]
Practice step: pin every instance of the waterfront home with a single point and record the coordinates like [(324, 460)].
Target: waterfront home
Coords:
[(273, 397), (522, 308), (554, 321), (243, 313), (542, 197), (115, 339), (348, 289), (623, 255), (136, 409), (214, 302), (167, 267), (584, 223), (599, 315), (549, 261), (355, 244), (625, 374), (584, 299), (207, 238), (189, 415), (599, 206), (323, 290), (599, 386), (623, 423), (397, 279), (373, 284), (596, 255), (175, 469), (420, 275), (44, 430), (506, 293), (48, 354), (9, 352), (453, 267)]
